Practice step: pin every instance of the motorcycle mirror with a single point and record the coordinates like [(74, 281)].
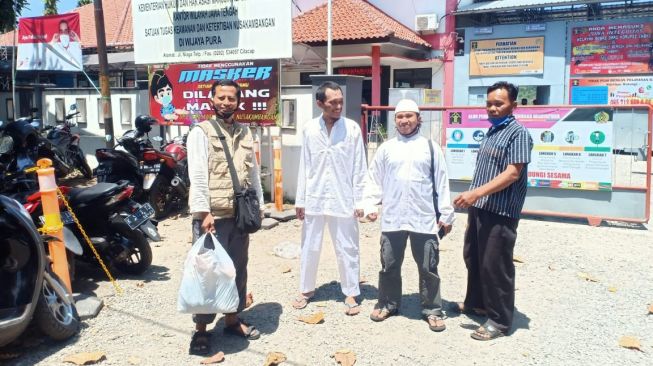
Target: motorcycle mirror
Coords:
[(157, 138), (73, 107)]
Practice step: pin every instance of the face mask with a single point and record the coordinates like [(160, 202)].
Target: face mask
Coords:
[(64, 39), (498, 121), (166, 99)]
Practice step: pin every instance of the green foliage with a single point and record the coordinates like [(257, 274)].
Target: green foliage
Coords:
[(84, 2), (7, 16), (50, 7)]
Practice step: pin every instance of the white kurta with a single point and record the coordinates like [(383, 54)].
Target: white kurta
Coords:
[(332, 169), (399, 178), (199, 200), (330, 186)]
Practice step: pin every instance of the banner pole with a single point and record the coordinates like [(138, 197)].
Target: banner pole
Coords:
[(13, 64), (90, 81)]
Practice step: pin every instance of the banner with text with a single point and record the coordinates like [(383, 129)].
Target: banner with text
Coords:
[(180, 94), (572, 147), (612, 49), (508, 56), (169, 31), (612, 90), (49, 43)]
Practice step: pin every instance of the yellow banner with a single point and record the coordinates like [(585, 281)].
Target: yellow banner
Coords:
[(507, 56)]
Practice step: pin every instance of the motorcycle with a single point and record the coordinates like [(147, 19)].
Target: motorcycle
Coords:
[(66, 145), (117, 226), (156, 175), (30, 290)]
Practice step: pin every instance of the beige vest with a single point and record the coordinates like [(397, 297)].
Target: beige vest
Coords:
[(240, 146)]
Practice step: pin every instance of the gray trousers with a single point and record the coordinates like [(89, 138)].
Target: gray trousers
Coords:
[(426, 255), (236, 244)]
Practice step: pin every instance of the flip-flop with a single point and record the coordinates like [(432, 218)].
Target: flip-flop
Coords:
[(435, 318), (250, 334), (352, 309), (487, 332), (200, 343), (301, 302), (384, 314)]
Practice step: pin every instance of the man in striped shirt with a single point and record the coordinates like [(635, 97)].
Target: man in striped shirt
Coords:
[(494, 202)]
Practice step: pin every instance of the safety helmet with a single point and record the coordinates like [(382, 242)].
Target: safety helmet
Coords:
[(144, 123)]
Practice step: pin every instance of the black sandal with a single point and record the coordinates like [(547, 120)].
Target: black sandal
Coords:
[(434, 318), (200, 343), (384, 314), (487, 332), (250, 334)]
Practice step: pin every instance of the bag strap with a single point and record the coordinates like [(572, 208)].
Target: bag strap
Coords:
[(435, 190), (230, 161)]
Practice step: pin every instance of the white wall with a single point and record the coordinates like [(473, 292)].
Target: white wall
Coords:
[(92, 136)]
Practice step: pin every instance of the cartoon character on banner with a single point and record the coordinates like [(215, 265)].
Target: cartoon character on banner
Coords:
[(161, 89)]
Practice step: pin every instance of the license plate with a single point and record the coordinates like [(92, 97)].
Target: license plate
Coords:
[(66, 218), (140, 216), (151, 168), (103, 170)]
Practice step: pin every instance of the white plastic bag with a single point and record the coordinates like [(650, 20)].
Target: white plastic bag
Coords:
[(208, 285)]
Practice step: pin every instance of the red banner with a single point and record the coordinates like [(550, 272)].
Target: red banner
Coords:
[(181, 94), (49, 43), (612, 49)]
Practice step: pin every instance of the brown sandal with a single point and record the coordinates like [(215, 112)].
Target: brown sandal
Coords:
[(433, 323), (383, 314), (301, 302), (487, 332)]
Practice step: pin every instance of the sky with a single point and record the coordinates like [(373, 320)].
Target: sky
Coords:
[(35, 7)]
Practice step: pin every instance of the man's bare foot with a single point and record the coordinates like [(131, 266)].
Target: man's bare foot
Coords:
[(249, 300)]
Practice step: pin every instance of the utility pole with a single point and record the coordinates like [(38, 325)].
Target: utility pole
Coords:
[(104, 73)]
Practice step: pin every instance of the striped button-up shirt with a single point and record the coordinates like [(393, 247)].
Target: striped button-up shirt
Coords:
[(507, 144)]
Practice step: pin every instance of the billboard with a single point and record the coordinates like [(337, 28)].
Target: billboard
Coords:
[(180, 94), (211, 30), (572, 148), (49, 43), (612, 49), (507, 56), (612, 90)]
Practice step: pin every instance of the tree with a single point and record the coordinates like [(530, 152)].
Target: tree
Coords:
[(50, 7), (83, 2), (8, 18)]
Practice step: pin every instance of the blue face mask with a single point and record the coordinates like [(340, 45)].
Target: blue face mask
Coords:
[(498, 121), (166, 99)]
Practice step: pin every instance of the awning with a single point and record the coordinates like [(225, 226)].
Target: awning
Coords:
[(506, 5)]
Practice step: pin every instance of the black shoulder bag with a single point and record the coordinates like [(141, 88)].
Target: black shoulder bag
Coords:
[(246, 204), (441, 233)]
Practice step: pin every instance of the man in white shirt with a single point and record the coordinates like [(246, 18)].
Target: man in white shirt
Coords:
[(332, 169), (211, 198), (403, 175)]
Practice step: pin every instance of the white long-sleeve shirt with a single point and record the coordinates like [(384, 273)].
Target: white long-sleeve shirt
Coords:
[(399, 178), (332, 169), (199, 200)]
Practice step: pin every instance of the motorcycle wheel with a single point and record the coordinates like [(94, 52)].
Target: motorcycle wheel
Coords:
[(160, 197), (140, 257), (53, 316)]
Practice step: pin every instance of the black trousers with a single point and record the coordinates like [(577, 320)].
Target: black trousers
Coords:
[(236, 244), (488, 252), (426, 254)]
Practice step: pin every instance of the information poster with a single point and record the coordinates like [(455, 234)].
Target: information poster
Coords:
[(612, 49), (612, 90), (508, 56), (167, 31), (180, 94), (572, 147), (49, 43)]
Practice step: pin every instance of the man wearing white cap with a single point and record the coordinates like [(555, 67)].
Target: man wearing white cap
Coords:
[(409, 177)]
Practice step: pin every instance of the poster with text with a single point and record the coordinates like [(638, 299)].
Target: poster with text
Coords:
[(167, 31), (508, 56), (49, 43), (612, 49), (612, 90), (180, 94), (572, 147)]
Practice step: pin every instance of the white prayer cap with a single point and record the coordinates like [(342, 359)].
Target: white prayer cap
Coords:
[(407, 105)]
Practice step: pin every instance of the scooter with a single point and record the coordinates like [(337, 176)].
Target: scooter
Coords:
[(30, 290), (157, 176), (66, 145)]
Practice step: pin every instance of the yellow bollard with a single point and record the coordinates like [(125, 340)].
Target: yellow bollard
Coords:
[(53, 225), (278, 186)]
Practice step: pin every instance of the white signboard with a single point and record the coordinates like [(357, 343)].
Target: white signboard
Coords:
[(174, 31)]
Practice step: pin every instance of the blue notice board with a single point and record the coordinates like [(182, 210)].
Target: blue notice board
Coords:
[(589, 94)]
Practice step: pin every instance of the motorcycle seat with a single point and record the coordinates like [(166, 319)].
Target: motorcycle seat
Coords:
[(83, 195)]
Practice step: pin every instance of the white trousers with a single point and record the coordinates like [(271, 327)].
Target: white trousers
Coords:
[(344, 235)]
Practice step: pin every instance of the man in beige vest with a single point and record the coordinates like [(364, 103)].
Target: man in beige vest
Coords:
[(211, 198)]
